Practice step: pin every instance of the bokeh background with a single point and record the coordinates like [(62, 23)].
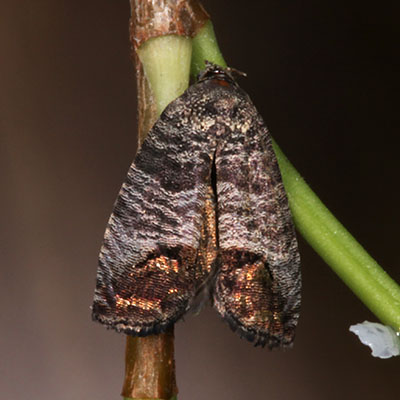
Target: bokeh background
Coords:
[(324, 75)]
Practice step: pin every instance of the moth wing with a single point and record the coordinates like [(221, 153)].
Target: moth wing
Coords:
[(156, 252), (257, 288)]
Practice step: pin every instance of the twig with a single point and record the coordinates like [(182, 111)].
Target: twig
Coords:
[(160, 33)]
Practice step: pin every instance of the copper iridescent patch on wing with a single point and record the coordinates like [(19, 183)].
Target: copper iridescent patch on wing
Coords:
[(249, 298), (154, 294)]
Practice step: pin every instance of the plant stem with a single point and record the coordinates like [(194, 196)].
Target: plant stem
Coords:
[(150, 366), (328, 237), (160, 33), (205, 47), (166, 63)]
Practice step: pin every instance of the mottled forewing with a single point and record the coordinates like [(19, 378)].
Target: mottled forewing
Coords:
[(257, 288), (157, 247)]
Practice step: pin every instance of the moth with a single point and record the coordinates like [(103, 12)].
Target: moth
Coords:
[(203, 210)]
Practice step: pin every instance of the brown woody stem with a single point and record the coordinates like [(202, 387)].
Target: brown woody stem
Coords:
[(150, 367), (152, 19), (162, 75)]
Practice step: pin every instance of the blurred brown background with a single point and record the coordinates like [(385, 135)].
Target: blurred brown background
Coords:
[(323, 75)]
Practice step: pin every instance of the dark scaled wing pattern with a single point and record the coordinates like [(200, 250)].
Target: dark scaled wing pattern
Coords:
[(203, 205), (257, 287), (152, 261)]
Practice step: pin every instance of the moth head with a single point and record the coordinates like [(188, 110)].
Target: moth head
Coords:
[(214, 71)]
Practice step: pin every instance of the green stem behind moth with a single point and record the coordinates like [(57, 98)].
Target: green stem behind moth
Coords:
[(328, 237), (205, 47), (166, 63)]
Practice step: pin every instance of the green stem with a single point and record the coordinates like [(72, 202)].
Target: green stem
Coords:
[(166, 63), (330, 239), (205, 47), (315, 222)]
